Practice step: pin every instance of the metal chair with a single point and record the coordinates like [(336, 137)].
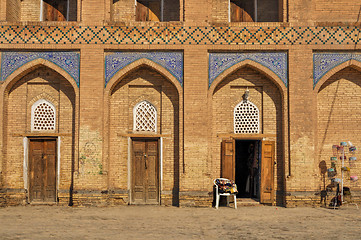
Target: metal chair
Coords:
[(218, 193)]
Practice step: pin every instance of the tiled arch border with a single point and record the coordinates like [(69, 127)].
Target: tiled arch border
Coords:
[(327, 64), (274, 61), (68, 61), (171, 61)]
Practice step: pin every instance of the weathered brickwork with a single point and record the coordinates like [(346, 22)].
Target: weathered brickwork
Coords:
[(311, 106), (41, 83), (268, 99)]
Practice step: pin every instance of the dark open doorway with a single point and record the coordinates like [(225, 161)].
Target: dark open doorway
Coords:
[(247, 168)]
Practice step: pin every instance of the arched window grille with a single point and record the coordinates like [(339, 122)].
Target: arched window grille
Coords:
[(246, 118), (145, 117), (43, 116)]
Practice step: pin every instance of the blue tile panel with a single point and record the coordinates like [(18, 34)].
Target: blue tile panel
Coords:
[(324, 62), (275, 61), (172, 61), (179, 35), (69, 61)]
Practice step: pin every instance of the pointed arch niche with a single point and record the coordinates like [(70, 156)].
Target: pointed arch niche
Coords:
[(238, 115), (339, 110), (39, 102), (144, 101)]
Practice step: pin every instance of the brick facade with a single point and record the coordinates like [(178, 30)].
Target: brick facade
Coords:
[(307, 102)]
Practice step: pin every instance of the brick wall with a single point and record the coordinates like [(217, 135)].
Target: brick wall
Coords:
[(337, 11), (338, 115), (191, 148), (13, 10), (123, 10), (41, 83)]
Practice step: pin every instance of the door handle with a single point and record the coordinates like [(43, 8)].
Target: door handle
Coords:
[(145, 161)]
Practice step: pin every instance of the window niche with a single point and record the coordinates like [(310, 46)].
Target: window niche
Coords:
[(149, 10), (254, 11), (58, 10), (157, 10), (48, 10)]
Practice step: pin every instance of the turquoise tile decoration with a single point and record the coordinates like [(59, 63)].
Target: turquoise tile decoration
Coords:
[(69, 61), (275, 61), (324, 62), (172, 61), (180, 35)]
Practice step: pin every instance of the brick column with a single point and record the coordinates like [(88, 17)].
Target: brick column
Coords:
[(194, 166), (303, 180), (90, 174)]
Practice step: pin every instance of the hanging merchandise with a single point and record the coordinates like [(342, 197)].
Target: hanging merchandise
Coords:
[(339, 152), (346, 169), (343, 144), (353, 178), (336, 180), (333, 165), (352, 149), (352, 161), (335, 150)]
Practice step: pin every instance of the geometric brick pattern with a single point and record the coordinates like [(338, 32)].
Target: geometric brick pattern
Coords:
[(69, 61), (172, 61), (324, 62), (180, 35), (275, 61)]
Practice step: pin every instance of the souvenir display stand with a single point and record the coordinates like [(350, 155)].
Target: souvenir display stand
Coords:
[(340, 153)]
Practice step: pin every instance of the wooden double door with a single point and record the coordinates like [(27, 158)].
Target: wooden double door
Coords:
[(145, 171), (265, 165), (42, 170)]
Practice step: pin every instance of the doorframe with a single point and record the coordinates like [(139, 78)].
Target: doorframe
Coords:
[(130, 166), (254, 137), (26, 143)]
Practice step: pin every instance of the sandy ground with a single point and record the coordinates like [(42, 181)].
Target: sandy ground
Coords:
[(155, 222)]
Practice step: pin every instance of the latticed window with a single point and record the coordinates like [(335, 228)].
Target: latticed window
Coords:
[(246, 118), (145, 117), (43, 116)]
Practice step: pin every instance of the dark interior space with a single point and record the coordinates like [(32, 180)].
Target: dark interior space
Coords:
[(246, 11), (247, 168)]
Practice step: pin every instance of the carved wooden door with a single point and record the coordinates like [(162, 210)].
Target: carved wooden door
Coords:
[(267, 172), (145, 172), (42, 170), (228, 159)]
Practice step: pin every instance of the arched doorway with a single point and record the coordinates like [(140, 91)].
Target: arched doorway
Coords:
[(39, 134), (144, 136), (247, 133)]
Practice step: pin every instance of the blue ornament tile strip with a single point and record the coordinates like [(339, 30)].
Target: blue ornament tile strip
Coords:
[(69, 61), (179, 35), (324, 62), (275, 61), (172, 61)]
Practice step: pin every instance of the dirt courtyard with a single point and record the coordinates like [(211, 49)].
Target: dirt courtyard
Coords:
[(156, 222)]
